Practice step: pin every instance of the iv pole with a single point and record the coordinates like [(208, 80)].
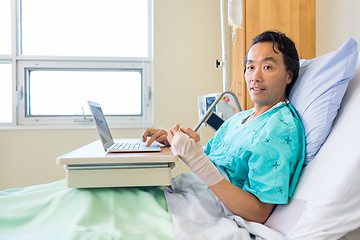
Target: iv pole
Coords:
[(223, 63), (231, 4)]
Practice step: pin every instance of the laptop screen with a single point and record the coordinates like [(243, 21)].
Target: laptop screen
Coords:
[(101, 125)]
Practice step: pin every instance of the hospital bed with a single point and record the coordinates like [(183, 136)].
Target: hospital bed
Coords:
[(326, 204)]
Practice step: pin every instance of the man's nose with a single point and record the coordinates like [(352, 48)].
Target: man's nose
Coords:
[(257, 75)]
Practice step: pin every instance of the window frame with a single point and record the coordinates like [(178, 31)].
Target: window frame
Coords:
[(20, 63), (114, 121)]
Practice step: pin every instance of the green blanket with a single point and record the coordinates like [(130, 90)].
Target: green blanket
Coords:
[(52, 211)]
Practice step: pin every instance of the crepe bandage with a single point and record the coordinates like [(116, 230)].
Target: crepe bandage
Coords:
[(193, 155)]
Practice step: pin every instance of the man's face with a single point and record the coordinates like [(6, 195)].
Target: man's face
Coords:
[(266, 75)]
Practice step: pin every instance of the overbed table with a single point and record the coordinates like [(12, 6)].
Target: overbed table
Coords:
[(90, 166)]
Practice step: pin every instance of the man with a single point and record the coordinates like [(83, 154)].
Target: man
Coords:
[(261, 150)]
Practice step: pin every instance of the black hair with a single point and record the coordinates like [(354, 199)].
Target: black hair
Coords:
[(287, 47)]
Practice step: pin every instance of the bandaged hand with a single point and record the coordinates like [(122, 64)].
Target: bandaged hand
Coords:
[(192, 153)]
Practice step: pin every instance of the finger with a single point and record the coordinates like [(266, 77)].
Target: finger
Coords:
[(151, 140), (167, 143), (162, 139), (170, 136), (175, 128), (191, 133), (156, 137), (146, 134)]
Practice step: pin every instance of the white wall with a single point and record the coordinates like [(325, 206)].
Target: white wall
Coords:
[(336, 20), (187, 43)]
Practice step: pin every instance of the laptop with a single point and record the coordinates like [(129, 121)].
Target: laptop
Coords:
[(119, 145)]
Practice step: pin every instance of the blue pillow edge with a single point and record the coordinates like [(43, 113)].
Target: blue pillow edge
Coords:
[(329, 121), (347, 49), (352, 53), (348, 73)]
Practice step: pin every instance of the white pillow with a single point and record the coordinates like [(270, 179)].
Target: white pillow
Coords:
[(318, 92), (326, 203)]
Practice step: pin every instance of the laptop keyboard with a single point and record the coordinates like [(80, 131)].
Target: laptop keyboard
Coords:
[(126, 146)]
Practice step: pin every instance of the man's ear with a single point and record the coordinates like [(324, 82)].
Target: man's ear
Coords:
[(290, 77)]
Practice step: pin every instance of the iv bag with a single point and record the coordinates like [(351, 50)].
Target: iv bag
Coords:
[(235, 13)]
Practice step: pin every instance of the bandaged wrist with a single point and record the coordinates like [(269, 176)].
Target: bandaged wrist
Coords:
[(193, 155)]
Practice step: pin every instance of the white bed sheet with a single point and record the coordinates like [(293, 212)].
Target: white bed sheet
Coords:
[(198, 214)]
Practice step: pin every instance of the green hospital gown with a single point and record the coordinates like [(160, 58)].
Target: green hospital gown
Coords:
[(263, 156)]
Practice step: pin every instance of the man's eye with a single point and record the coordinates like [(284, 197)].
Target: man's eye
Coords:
[(249, 67), (267, 67)]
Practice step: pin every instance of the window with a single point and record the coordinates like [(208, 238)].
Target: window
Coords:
[(85, 28), (5, 27), (124, 85), (63, 53)]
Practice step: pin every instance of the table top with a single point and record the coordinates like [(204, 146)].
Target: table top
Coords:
[(94, 153)]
